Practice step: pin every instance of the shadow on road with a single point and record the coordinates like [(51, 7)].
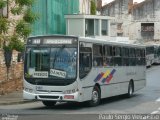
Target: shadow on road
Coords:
[(78, 106)]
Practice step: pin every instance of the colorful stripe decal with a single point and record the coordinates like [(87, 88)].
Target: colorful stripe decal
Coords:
[(99, 77), (107, 76)]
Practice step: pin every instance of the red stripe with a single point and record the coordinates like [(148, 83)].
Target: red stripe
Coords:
[(109, 78)]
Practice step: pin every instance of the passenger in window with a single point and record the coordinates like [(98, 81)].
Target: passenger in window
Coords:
[(94, 62), (105, 62)]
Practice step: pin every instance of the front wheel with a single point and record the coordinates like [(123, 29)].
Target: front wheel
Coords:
[(49, 103), (95, 99)]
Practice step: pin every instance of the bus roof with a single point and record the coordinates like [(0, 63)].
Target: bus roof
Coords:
[(107, 40), (110, 42)]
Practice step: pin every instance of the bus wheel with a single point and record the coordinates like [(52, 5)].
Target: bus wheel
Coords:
[(130, 89), (49, 103), (95, 100)]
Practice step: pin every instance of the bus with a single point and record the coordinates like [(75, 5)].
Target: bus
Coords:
[(79, 69), (156, 54), (149, 55)]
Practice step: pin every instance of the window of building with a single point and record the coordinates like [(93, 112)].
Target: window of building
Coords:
[(89, 27), (96, 27), (104, 27)]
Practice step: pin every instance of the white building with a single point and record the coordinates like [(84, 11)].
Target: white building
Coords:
[(139, 21)]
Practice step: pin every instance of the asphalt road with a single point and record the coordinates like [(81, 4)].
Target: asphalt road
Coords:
[(145, 101)]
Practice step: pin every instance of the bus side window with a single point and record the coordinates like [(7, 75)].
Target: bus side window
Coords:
[(138, 56), (108, 58), (132, 57), (142, 57), (117, 56), (125, 55), (97, 55), (85, 62)]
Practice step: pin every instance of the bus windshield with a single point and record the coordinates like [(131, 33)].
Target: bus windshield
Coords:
[(56, 62)]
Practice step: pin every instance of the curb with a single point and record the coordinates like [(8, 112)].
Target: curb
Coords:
[(17, 102)]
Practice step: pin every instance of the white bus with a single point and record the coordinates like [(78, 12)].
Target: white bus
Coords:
[(156, 54), (149, 55), (78, 69)]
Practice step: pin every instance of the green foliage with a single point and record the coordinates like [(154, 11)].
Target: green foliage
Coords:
[(30, 17), (93, 7), (24, 2), (16, 10), (16, 43), (21, 27), (2, 3), (3, 25)]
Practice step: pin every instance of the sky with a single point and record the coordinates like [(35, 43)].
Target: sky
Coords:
[(107, 1)]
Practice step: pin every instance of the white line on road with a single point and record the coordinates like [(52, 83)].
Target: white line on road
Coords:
[(158, 100), (154, 112)]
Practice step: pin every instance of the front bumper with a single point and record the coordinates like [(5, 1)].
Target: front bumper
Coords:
[(51, 97)]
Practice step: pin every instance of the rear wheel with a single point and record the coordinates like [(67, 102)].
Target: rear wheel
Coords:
[(95, 99), (49, 103), (130, 89)]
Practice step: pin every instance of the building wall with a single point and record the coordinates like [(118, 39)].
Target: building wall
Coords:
[(51, 15), (147, 12), (120, 9), (10, 80), (84, 6)]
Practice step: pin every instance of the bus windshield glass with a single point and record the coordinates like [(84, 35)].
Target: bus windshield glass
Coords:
[(55, 62)]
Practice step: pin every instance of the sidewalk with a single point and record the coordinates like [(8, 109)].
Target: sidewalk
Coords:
[(12, 98)]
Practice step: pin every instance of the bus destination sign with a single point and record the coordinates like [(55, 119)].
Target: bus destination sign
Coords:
[(57, 41), (52, 41)]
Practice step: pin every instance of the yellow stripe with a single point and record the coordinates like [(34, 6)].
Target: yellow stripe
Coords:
[(106, 74)]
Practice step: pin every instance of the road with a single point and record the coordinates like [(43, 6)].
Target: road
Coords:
[(145, 101)]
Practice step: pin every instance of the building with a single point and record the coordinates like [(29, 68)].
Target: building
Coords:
[(146, 16), (88, 25), (121, 10), (138, 21), (51, 14), (10, 79)]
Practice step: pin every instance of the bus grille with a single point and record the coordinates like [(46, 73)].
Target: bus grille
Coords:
[(48, 97)]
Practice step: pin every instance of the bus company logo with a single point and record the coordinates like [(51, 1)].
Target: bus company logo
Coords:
[(105, 77)]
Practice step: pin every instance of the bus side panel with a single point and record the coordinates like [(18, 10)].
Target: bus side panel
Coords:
[(88, 84), (140, 81), (86, 93), (108, 90)]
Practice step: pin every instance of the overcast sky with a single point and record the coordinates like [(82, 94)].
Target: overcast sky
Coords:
[(107, 1)]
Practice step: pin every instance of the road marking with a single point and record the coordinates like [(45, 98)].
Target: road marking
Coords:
[(158, 100), (154, 112)]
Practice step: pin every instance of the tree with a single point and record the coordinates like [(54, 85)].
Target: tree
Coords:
[(14, 31), (93, 7)]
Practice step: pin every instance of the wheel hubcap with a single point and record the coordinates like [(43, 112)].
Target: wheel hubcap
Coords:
[(95, 96)]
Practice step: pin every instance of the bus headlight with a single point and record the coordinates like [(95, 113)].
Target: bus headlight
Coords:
[(28, 90), (70, 91)]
